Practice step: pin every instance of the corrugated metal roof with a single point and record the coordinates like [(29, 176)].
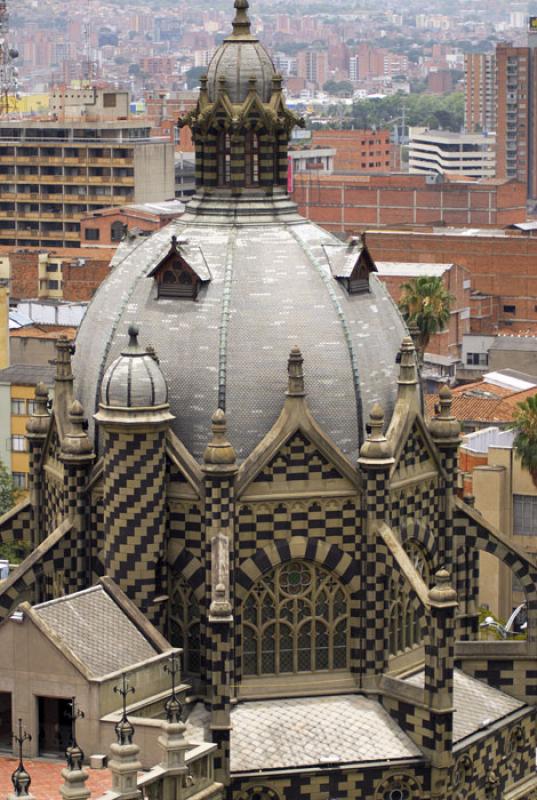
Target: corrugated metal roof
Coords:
[(411, 269)]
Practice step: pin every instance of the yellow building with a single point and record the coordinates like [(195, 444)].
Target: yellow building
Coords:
[(506, 495), (17, 391)]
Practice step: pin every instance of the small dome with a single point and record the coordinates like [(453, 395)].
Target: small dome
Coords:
[(240, 58), (134, 380)]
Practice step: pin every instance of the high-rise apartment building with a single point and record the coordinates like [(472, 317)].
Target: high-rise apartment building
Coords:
[(313, 66), (480, 83), (53, 172), (516, 85)]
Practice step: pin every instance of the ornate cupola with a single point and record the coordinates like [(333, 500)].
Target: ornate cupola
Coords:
[(241, 125)]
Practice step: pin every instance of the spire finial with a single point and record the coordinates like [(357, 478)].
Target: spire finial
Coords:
[(37, 425), (64, 350), (219, 452), (408, 373), (20, 778), (241, 22), (376, 450), (173, 706), (124, 728), (444, 427), (74, 753), (295, 383)]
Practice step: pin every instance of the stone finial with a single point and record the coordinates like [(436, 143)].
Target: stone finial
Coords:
[(64, 350), (220, 606), (444, 427), (241, 21), (442, 593), (408, 373), (76, 442), (20, 778), (277, 82), (37, 425), (74, 776), (219, 451), (133, 346), (295, 384), (376, 449)]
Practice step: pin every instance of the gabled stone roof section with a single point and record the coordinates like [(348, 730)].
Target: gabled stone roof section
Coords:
[(96, 630)]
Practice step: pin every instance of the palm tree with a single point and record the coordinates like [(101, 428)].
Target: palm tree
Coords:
[(525, 426), (426, 304)]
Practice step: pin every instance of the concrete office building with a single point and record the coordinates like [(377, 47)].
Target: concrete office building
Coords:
[(54, 172), (440, 152)]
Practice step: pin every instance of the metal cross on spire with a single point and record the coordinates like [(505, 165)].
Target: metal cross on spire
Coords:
[(74, 753), (124, 728), (20, 778), (173, 705)]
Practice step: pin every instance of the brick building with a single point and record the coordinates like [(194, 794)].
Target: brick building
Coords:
[(357, 151), (455, 278), (501, 296), (342, 203), (480, 92), (108, 225), (65, 273)]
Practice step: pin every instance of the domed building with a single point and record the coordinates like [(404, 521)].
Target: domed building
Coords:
[(257, 477)]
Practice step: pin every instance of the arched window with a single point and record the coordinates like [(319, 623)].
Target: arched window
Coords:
[(117, 229), (404, 630), (295, 619), (184, 623), (251, 158), (224, 158)]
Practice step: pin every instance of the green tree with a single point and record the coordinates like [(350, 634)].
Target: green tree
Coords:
[(426, 304), (9, 494), (525, 426)]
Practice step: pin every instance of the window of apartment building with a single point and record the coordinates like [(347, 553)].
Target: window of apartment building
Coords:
[(477, 359), (30, 407), (51, 267), (18, 444), (509, 309), (524, 515), (109, 100), (18, 407), (19, 480), (92, 234), (53, 284)]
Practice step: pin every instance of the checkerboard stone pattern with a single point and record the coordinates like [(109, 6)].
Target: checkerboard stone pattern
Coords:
[(134, 503), (297, 460)]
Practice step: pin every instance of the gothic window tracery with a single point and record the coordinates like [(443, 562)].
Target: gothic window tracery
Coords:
[(295, 619), (184, 623), (404, 627)]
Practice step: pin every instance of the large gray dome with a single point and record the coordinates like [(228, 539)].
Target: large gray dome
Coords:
[(271, 287)]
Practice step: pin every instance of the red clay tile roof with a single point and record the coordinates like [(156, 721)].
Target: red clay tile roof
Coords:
[(472, 408), (44, 332)]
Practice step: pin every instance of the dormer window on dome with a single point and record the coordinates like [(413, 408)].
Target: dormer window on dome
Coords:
[(351, 264), (180, 273)]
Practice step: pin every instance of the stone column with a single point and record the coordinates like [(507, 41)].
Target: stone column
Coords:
[(134, 417), (438, 685), (124, 763), (77, 456), (375, 462), (74, 776), (220, 468), (446, 433), (36, 433)]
